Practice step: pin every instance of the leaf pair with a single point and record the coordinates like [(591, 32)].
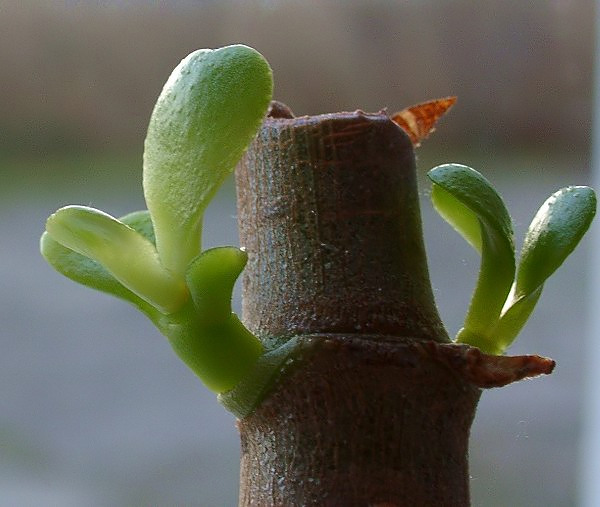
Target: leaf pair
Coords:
[(86, 271), (103, 252), (502, 302), (207, 113)]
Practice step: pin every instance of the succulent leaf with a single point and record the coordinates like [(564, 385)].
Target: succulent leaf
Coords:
[(83, 270), (554, 232), (211, 277), (457, 215), (88, 272), (513, 318), (464, 198), (207, 113), (127, 255)]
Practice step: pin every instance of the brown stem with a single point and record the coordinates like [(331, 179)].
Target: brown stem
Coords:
[(329, 213), (378, 409), (364, 422)]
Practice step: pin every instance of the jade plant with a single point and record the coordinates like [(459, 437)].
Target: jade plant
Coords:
[(506, 294), (206, 115)]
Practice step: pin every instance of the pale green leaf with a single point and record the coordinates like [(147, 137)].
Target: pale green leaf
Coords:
[(207, 113), (141, 222), (90, 273), (86, 271), (126, 254)]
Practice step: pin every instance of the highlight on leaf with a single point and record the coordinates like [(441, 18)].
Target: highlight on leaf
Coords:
[(419, 121)]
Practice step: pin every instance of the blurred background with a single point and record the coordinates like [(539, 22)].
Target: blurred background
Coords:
[(95, 409)]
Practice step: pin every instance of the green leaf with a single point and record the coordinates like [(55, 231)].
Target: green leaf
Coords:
[(513, 319), (207, 113), (126, 254), (216, 345), (458, 216), (87, 272), (220, 354), (553, 233), (476, 197), (140, 222), (465, 198), (83, 270), (211, 277)]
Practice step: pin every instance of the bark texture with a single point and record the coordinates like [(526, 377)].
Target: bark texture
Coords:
[(364, 422), (378, 412), (329, 213)]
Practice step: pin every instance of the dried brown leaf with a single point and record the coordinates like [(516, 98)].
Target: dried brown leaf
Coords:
[(419, 121)]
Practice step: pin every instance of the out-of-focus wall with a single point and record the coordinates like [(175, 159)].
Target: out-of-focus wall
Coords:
[(76, 73)]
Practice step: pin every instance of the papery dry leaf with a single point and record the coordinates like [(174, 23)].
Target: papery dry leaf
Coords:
[(487, 370), (419, 121)]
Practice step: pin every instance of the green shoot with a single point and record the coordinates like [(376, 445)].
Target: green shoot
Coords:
[(208, 112), (501, 303)]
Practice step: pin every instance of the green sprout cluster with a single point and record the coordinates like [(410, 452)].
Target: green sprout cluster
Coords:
[(205, 117), (506, 294)]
